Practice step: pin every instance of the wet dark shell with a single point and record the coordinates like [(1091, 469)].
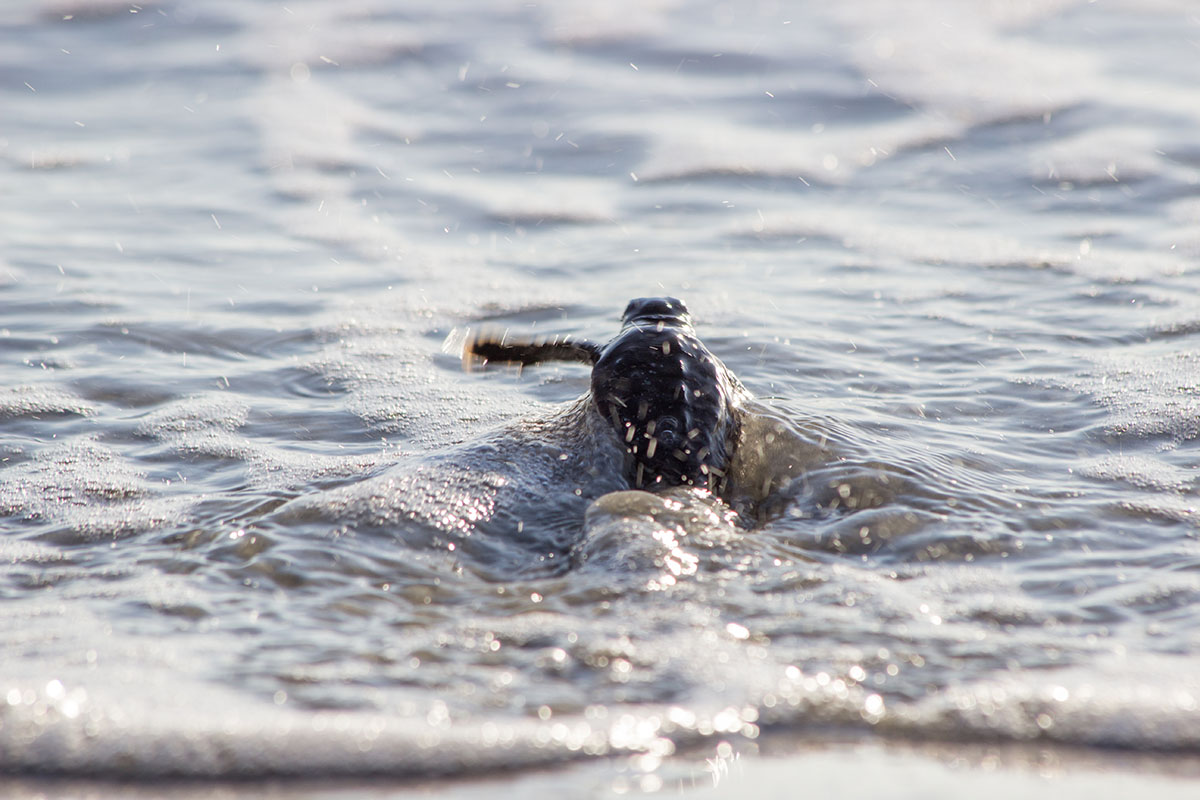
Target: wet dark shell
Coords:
[(669, 400)]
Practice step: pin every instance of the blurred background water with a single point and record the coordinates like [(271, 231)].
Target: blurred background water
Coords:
[(257, 521)]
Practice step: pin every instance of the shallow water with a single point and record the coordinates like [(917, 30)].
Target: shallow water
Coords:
[(259, 522)]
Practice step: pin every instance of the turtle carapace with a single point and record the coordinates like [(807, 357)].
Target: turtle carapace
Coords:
[(669, 400)]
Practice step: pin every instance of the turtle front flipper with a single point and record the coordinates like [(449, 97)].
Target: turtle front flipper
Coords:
[(483, 347)]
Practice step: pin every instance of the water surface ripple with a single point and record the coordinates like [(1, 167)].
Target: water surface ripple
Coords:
[(258, 522)]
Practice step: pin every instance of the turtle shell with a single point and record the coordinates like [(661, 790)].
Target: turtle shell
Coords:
[(667, 397)]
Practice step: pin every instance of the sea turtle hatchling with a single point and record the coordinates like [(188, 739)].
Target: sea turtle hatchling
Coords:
[(670, 401)]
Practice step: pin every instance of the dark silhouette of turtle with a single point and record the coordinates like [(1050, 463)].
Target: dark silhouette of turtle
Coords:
[(670, 401)]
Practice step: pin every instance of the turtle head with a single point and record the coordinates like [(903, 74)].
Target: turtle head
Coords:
[(657, 309)]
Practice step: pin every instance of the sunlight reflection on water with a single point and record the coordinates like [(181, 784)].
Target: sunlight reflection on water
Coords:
[(259, 522)]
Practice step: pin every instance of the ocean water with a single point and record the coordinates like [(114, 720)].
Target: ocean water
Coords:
[(256, 521)]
